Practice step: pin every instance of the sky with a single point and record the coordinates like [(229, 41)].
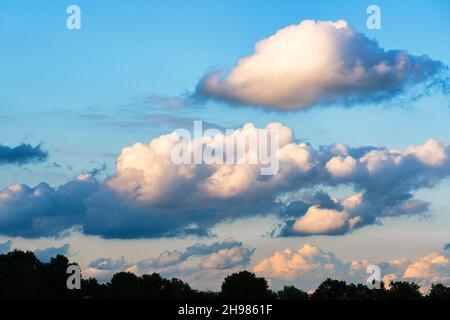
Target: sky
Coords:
[(73, 103)]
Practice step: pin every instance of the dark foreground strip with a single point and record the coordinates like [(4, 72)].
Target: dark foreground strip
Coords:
[(196, 310)]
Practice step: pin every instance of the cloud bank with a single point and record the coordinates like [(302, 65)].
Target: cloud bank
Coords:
[(215, 258), (319, 63), (22, 154), (149, 196), (310, 265), (219, 255), (206, 265)]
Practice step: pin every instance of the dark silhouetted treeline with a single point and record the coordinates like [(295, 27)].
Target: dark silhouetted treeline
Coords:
[(23, 276)]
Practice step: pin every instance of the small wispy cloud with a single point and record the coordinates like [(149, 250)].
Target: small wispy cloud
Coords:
[(22, 154), (171, 102)]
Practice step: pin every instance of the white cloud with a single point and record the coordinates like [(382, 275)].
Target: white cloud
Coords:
[(221, 254), (317, 62), (340, 166), (309, 266), (227, 258), (432, 268), (317, 220), (306, 267), (217, 258), (151, 196), (431, 152)]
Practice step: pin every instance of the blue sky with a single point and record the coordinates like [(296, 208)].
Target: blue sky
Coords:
[(125, 53), (86, 94)]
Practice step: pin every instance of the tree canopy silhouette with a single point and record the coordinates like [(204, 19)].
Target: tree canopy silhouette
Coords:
[(292, 293), (245, 285)]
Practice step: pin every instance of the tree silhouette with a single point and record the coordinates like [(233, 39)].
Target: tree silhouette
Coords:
[(330, 290), (177, 289), (23, 276), (91, 289), (151, 286), (292, 293), (53, 277), (245, 285), (439, 292), (19, 276), (400, 290), (124, 285), (362, 292)]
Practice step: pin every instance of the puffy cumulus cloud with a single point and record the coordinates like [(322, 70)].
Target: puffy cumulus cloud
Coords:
[(310, 265), (317, 63), (5, 247), (216, 259), (311, 216), (165, 259), (385, 180), (46, 254), (43, 210), (306, 267), (210, 193), (432, 268), (340, 167), (22, 154), (162, 198), (317, 220), (218, 255), (390, 270), (228, 258), (431, 153), (289, 264), (151, 196)]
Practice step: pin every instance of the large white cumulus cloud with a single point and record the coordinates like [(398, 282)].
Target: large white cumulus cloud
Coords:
[(151, 196), (318, 62)]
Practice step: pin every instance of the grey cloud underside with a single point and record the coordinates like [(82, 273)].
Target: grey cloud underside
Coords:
[(373, 209), (216, 257), (46, 254), (174, 258), (94, 207), (5, 246), (109, 264), (43, 255), (48, 214), (22, 154), (433, 80)]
